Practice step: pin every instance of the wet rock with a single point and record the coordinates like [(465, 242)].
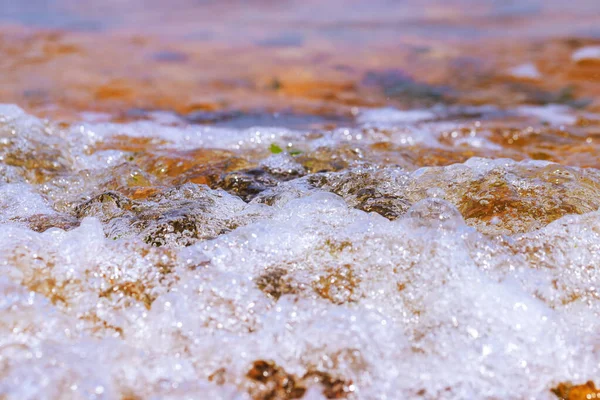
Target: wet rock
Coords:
[(105, 206), (177, 217), (43, 222), (333, 388), (178, 227), (338, 285), (496, 197), (508, 197), (569, 391), (275, 283), (136, 290), (249, 183), (325, 159), (369, 189), (273, 382)]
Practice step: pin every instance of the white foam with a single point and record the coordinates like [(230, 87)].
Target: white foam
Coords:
[(423, 305), (188, 137), (392, 115), (551, 113), (526, 71), (586, 53), (19, 200)]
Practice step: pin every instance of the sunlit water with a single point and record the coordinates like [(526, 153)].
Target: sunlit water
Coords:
[(374, 232)]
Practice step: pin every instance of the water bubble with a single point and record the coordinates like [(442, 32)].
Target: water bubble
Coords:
[(435, 213)]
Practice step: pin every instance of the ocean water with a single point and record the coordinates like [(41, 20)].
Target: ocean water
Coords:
[(273, 200), (153, 259)]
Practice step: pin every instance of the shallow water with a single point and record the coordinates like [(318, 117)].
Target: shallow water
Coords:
[(379, 200)]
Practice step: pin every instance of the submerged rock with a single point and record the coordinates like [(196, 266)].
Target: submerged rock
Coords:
[(495, 196), (180, 216)]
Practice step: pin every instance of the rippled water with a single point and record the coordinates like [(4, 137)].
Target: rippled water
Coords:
[(397, 200)]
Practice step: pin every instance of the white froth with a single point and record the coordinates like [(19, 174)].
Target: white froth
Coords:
[(526, 71), (188, 137), (552, 113), (423, 305), (586, 53), (392, 115), (19, 200)]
